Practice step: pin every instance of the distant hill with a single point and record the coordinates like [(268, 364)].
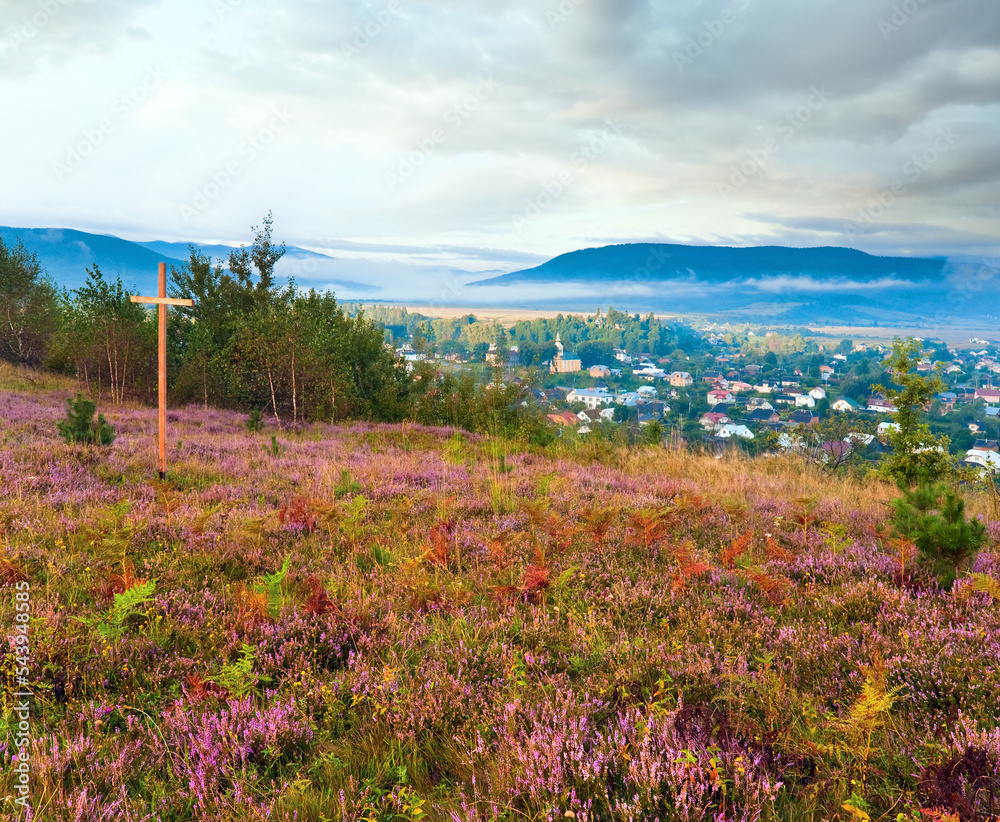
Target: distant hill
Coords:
[(714, 264), (66, 254), (770, 283)]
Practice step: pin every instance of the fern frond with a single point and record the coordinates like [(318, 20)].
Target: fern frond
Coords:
[(774, 588), (775, 551), (199, 523), (985, 584), (736, 549)]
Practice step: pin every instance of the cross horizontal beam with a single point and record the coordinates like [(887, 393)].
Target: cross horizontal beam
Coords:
[(163, 301)]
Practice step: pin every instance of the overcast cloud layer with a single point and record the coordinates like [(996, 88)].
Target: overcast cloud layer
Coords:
[(489, 135)]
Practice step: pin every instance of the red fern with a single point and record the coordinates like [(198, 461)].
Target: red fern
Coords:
[(197, 689), (298, 513), (441, 537), (319, 601), (499, 548), (737, 548), (597, 521), (774, 588), (649, 526), (115, 583), (775, 551), (9, 574), (688, 566), (536, 579)]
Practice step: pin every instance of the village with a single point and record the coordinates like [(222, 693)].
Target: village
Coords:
[(819, 398)]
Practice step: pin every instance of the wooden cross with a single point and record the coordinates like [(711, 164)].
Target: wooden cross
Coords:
[(161, 302)]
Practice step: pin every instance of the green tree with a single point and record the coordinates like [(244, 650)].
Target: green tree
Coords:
[(111, 340), (917, 454), (199, 335), (80, 425), (932, 516), (259, 260), (28, 307)]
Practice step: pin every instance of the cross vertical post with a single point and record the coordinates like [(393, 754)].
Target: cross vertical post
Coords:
[(161, 310), (161, 301)]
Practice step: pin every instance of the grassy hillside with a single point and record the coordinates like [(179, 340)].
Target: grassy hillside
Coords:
[(395, 622)]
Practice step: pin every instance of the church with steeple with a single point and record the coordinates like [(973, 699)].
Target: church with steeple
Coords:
[(563, 363)]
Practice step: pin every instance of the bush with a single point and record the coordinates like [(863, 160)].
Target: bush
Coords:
[(932, 516), (254, 422), (80, 426)]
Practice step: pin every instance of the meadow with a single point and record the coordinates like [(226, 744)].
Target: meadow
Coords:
[(395, 622)]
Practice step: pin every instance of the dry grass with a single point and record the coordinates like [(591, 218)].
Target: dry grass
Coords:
[(733, 477), (19, 378)]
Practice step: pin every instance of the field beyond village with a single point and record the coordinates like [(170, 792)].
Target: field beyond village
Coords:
[(394, 622)]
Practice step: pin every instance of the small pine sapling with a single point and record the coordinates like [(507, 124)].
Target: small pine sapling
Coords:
[(253, 421), (932, 516), (80, 425)]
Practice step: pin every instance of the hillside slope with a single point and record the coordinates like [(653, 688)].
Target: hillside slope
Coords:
[(364, 621)]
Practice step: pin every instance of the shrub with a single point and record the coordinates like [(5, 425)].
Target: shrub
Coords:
[(80, 426), (254, 422), (932, 516)]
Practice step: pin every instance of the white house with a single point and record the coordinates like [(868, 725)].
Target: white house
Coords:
[(818, 393), (805, 401), (845, 404), (593, 398), (647, 392), (629, 399), (734, 430), (880, 406), (649, 371), (607, 414), (720, 396), (988, 460), (790, 442)]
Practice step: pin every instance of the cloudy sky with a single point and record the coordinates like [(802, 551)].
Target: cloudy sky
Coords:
[(490, 135)]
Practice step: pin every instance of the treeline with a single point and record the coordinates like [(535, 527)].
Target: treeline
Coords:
[(247, 344), (95, 332), (593, 337)]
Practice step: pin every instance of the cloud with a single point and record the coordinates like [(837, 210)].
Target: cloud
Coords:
[(698, 90), (807, 285), (36, 35)]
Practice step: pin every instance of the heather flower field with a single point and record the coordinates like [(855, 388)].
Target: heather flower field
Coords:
[(392, 622)]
